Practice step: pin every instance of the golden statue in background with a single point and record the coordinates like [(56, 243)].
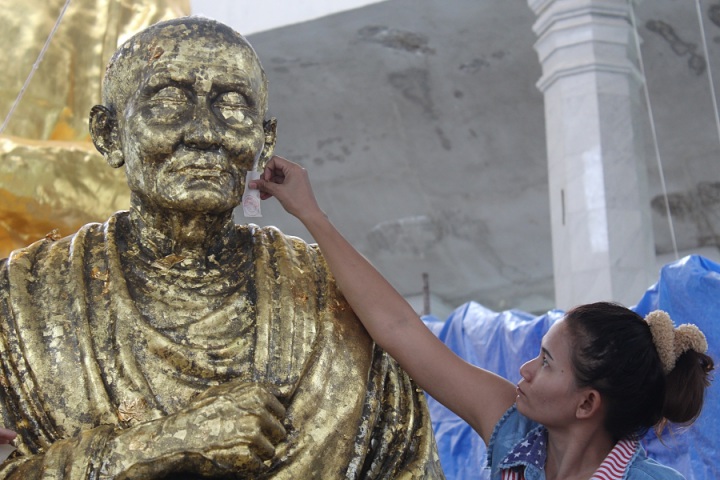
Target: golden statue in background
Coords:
[(169, 342), (51, 177)]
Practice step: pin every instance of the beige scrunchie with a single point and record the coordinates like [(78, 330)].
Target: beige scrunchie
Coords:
[(672, 342)]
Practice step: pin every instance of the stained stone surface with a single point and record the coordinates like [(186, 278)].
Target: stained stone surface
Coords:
[(424, 134)]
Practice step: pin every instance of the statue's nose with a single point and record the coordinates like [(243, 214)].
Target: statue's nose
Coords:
[(201, 130)]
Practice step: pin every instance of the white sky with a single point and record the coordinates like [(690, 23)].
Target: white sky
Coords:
[(252, 16)]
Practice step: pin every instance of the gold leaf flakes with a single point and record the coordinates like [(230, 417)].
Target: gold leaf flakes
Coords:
[(99, 275), (53, 235), (169, 261), (130, 410)]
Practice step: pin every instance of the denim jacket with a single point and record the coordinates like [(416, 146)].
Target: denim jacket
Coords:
[(514, 428)]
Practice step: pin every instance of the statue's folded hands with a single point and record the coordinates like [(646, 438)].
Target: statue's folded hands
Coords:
[(228, 432)]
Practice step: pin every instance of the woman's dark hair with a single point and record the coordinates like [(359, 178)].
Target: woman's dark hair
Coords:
[(614, 353)]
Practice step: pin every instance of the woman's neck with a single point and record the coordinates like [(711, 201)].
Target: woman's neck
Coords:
[(576, 454)]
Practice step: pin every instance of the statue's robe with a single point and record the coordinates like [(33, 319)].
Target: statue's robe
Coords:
[(81, 360)]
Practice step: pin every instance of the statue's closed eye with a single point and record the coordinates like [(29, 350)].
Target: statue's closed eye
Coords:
[(167, 103), (171, 95), (233, 108)]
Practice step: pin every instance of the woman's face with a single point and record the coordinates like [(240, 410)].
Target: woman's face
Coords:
[(547, 392)]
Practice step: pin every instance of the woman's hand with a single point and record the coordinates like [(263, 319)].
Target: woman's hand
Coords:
[(290, 184), (6, 436)]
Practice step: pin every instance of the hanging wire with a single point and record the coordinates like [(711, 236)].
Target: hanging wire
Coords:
[(653, 130), (34, 68), (709, 70)]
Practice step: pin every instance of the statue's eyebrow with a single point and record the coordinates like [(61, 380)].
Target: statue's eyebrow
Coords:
[(165, 77), (232, 83), (236, 84)]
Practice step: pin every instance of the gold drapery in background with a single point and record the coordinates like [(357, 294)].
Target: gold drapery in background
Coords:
[(51, 177), (67, 83)]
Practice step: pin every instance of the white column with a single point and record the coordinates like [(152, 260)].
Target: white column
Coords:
[(600, 210)]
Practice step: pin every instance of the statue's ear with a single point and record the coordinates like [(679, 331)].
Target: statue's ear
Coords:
[(104, 134), (270, 128)]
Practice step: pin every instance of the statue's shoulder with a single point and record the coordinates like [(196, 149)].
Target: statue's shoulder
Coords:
[(273, 247), (56, 244), (270, 235)]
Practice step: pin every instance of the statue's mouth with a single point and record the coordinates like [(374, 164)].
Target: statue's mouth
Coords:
[(199, 162), (203, 170)]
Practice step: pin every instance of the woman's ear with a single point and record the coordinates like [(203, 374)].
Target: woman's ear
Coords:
[(270, 129), (104, 134), (590, 404)]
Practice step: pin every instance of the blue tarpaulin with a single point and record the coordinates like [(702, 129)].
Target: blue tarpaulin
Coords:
[(689, 290)]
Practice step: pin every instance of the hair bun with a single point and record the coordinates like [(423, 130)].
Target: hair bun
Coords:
[(671, 342)]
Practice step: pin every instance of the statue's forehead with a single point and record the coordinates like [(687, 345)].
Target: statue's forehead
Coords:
[(212, 74), (197, 57), (203, 63), (203, 49)]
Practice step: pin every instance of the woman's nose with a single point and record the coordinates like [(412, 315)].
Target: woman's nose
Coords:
[(526, 370)]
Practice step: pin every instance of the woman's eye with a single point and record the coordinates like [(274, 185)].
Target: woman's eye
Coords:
[(233, 109)]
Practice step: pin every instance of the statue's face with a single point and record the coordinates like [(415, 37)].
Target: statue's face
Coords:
[(194, 125)]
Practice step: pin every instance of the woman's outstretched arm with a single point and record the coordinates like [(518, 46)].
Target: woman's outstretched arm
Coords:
[(476, 395)]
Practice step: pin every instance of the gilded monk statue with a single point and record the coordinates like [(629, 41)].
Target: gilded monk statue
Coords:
[(169, 342)]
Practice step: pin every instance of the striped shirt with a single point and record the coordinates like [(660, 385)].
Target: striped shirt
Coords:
[(614, 465), (533, 450)]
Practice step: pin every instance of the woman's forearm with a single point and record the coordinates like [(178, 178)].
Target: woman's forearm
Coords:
[(375, 301), (476, 395)]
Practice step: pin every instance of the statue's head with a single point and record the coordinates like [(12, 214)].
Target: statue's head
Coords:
[(184, 105)]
